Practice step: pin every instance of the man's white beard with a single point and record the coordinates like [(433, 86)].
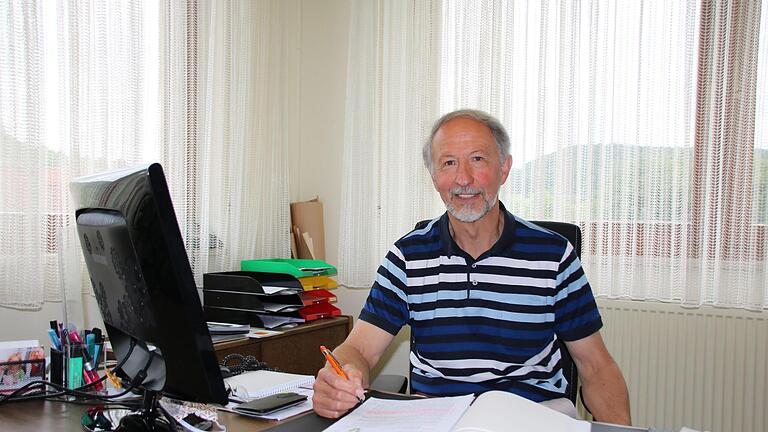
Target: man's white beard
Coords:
[(467, 214)]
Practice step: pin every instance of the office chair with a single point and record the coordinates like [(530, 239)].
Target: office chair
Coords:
[(572, 233), (399, 384)]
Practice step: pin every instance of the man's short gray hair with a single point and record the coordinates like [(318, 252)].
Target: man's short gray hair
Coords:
[(497, 129)]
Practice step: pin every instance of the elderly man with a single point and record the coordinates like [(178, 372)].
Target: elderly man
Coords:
[(486, 293)]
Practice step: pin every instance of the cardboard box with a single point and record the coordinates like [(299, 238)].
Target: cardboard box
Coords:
[(308, 229)]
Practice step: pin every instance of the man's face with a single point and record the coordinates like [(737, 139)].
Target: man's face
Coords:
[(467, 171)]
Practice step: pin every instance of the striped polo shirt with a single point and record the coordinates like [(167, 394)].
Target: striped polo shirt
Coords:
[(489, 323)]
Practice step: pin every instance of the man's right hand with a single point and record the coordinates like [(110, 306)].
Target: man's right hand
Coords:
[(362, 349), (334, 395)]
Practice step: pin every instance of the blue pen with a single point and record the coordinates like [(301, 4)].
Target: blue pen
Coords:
[(54, 339), (99, 344), (96, 356), (90, 343)]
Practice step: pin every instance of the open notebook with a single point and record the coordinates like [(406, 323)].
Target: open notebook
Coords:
[(502, 411), (262, 383), (494, 411)]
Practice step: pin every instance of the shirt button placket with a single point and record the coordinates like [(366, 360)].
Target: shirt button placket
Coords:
[(471, 279)]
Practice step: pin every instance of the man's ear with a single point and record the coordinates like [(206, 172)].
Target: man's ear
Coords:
[(505, 167)]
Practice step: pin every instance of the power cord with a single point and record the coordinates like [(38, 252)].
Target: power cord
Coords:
[(244, 364)]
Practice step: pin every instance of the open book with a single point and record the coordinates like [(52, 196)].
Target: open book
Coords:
[(501, 411), (494, 411)]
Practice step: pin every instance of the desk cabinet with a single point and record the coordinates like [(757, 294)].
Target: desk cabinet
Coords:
[(295, 350)]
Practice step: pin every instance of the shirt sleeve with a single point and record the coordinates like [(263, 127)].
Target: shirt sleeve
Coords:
[(576, 313), (387, 303)]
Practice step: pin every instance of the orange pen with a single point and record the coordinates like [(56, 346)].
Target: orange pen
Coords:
[(335, 364)]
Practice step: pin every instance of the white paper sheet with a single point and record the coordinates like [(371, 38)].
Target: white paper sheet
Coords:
[(268, 289), (424, 415), (258, 333)]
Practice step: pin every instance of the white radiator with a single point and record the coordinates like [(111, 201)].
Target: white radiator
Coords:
[(702, 368)]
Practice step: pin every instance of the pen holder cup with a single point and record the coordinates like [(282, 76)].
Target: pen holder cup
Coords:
[(76, 368)]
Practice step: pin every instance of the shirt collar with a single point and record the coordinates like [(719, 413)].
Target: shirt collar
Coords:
[(450, 248)]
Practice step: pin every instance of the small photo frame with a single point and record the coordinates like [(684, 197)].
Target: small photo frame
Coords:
[(20, 363)]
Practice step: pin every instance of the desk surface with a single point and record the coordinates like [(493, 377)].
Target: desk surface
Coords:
[(61, 416)]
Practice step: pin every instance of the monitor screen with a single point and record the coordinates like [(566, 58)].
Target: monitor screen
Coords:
[(143, 283)]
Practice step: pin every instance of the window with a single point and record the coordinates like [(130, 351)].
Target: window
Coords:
[(636, 120), (77, 95), (89, 86)]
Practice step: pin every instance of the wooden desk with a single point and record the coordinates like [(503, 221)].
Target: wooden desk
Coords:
[(60, 416), (296, 351)]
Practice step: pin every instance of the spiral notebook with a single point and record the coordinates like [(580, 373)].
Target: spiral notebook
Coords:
[(263, 383)]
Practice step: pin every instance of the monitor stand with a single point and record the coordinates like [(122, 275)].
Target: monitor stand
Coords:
[(147, 418)]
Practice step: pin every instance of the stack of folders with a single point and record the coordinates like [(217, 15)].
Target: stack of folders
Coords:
[(222, 332), (269, 294), (261, 384), (315, 277)]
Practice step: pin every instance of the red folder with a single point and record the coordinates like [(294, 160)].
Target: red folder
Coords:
[(318, 310), (317, 296)]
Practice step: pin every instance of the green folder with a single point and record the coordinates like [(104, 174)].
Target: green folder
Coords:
[(294, 267)]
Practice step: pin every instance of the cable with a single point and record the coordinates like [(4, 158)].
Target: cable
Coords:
[(246, 363)]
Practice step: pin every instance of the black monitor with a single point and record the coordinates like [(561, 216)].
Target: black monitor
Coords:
[(143, 283)]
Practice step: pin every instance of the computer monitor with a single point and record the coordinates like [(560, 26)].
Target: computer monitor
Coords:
[(143, 283)]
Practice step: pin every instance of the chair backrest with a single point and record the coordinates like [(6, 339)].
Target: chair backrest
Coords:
[(572, 233)]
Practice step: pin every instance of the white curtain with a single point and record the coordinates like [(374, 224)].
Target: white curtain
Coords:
[(392, 87), (71, 103), (639, 121), (88, 86), (222, 129)]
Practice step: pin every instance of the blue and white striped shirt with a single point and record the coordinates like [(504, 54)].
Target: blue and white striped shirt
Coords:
[(485, 324)]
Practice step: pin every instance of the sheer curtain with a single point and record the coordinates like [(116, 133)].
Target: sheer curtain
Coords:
[(71, 102), (222, 129), (392, 89), (88, 86), (635, 120)]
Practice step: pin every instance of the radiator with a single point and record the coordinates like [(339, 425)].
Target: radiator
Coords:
[(702, 368)]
